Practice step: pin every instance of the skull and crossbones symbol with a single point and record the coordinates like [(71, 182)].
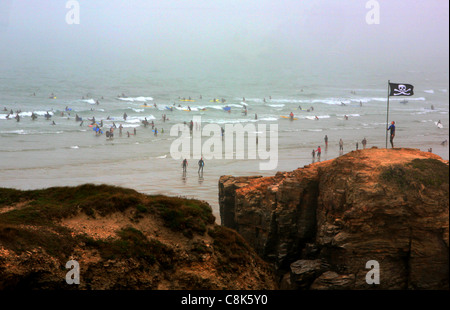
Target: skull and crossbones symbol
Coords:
[(402, 90)]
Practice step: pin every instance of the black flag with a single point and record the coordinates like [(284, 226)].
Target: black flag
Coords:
[(401, 89)]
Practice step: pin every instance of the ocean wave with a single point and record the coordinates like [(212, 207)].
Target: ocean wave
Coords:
[(313, 117), (90, 101), (139, 119), (430, 91), (133, 99)]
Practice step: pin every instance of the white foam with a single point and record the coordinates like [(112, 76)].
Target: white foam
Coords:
[(319, 116), (269, 119), (90, 101), (430, 91), (132, 99), (139, 119)]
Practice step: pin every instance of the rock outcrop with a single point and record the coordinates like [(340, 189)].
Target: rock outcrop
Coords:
[(320, 225), (121, 239)]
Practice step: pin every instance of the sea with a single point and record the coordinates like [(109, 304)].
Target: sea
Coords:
[(61, 151)]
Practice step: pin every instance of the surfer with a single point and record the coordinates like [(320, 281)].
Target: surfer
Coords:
[(184, 165), (33, 116), (346, 117), (341, 145), (364, 142), (17, 117), (291, 116), (201, 164), (256, 116), (326, 141), (125, 116), (444, 142), (316, 118), (392, 133)]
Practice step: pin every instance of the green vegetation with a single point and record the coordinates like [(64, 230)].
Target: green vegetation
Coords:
[(188, 216), (34, 220), (431, 173), (234, 248), (132, 243)]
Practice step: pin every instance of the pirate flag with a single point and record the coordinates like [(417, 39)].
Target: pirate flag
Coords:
[(401, 89)]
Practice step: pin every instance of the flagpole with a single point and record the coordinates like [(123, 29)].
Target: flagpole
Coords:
[(387, 115)]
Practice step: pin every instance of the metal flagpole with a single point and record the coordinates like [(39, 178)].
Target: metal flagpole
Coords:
[(387, 115)]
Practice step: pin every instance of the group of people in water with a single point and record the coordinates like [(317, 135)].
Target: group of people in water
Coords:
[(318, 152)]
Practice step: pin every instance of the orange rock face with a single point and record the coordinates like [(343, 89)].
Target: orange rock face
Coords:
[(319, 225)]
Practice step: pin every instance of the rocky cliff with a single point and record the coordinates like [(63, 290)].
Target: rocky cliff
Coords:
[(121, 239), (320, 225)]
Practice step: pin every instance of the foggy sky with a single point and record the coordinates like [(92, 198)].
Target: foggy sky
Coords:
[(227, 35)]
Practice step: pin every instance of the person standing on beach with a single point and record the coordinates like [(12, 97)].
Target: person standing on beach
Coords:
[(326, 141), (364, 142), (341, 145), (184, 165), (201, 164), (318, 151), (392, 133), (313, 153)]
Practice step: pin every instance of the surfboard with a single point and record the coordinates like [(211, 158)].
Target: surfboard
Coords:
[(170, 109), (187, 100), (439, 125), (227, 108), (288, 117)]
